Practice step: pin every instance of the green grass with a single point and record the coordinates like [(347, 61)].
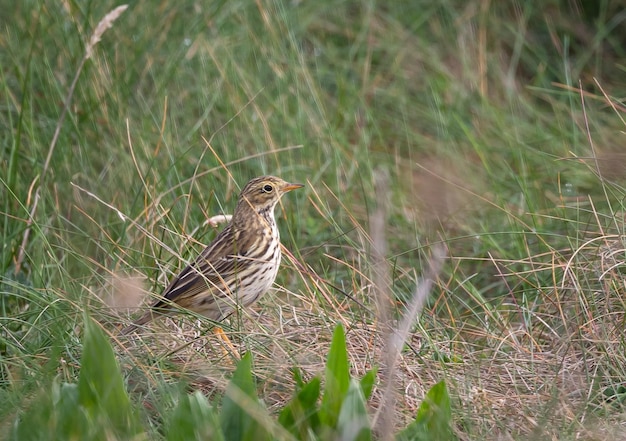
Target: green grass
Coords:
[(473, 109)]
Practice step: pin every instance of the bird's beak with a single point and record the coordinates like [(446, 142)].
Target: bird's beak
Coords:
[(289, 187)]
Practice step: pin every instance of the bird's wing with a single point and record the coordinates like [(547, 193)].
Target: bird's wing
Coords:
[(201, 277), (212, 271)]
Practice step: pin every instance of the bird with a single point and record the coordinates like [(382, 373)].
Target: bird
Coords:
[(237, 267)]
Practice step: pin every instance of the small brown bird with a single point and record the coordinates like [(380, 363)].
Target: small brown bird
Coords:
[(238, 267)]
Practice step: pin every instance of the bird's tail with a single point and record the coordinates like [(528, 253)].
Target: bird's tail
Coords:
[(137, 323)]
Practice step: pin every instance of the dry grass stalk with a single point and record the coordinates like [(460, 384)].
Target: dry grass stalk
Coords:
[(395, 336), (103, 25), (381, 279)]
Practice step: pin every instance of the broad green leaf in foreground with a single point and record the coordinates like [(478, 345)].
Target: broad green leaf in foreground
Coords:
[(337, 379), (353, 423), (194, 419), (367, 382), (101, 388), (300, 416), (434, 417), (97, 408), (241, 408)]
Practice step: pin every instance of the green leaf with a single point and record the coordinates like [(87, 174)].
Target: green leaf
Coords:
[(337, 379), (97, 408), (368, 381), (300, 416), (434, 418), (54, 414), (241, 408), (297, 376), (193, 418), (101, 392), (353, 423), (70, 418)]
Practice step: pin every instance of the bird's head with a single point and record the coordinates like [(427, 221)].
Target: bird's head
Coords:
[(262, 194)]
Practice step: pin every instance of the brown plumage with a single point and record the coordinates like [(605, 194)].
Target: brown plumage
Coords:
[(236, 268)]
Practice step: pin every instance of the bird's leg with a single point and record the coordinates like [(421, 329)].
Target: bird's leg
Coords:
[(226, 343)]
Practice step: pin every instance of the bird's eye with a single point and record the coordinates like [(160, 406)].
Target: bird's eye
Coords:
[(267, 188)]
